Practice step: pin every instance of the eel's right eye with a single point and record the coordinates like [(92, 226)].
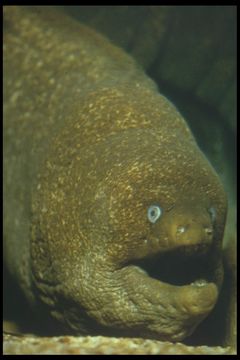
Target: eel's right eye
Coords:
[(153, 213)]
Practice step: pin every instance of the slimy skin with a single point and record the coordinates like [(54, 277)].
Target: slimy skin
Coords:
[(102, 176)]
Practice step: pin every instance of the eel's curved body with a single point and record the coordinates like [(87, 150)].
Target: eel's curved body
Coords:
[(102, 174)]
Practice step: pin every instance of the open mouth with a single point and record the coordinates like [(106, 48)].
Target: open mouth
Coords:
[(181, 266), (175, 290)]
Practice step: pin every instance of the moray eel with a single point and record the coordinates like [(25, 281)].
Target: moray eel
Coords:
[(113, 217)]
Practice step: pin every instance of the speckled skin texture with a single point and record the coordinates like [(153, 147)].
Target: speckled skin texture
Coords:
[(89, 145)]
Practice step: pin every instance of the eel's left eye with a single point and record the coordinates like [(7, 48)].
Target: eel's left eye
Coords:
[(213, 213), (153, 213)]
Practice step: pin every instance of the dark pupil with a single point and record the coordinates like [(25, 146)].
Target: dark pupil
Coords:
[(153, 213)]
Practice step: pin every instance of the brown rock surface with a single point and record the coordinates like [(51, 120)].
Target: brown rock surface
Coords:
[(97, 345)]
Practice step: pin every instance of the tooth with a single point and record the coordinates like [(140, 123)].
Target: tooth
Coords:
[(199, 282)]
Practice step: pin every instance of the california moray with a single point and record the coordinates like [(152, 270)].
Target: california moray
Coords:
[(113, 217)]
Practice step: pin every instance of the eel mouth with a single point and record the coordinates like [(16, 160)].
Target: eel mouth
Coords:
[(181, 266)]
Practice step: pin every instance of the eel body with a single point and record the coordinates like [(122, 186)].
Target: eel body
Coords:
[(113, 217)]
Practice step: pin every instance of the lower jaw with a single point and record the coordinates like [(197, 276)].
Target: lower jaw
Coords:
[(191, 270)]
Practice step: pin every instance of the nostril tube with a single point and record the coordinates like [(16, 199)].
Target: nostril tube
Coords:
[(208, 231), (181, 229)]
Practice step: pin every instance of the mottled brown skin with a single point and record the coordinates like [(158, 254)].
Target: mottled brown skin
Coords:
[(90, 144)]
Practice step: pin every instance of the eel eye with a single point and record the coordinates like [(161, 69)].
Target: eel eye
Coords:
[(153, 213), (212, 212)]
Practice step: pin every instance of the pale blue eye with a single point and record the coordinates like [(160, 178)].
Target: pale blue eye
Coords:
[(153, 213), (213, 213)]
